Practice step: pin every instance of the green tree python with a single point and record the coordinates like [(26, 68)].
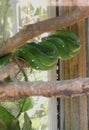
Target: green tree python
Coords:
[(63, 44)]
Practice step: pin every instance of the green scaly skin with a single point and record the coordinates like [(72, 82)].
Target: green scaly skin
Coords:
[(64, 53), (43, 55), (63, 45), (25, 54), (4, 59), (34, 57), (67, 34), (69, 38)]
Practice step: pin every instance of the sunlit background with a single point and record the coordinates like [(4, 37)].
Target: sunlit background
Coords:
[(13, 16)]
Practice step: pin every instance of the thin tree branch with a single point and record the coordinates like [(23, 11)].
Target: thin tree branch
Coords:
[(9, 69), (21, 68), (16, 90), (33, 30)]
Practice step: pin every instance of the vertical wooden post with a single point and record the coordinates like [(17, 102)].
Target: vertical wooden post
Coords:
[(52, 110), (75, 109), (87, 48)]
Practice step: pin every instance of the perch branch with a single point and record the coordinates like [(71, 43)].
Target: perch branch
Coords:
[(33, 30), (9, 91), (10, 68)]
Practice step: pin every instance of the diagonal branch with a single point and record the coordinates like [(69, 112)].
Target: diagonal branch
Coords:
[(9, 69), (62, 88), (34, 30)]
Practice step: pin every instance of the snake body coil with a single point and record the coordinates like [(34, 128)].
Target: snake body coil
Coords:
[(63, 45)]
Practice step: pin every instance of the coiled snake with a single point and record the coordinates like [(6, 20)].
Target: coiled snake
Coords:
[(63, 45)]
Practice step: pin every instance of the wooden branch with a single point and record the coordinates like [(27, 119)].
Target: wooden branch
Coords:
[(9, 69), (62, 88), (34, 30)]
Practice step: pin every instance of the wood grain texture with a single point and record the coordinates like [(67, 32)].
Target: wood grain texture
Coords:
[(75, 119)]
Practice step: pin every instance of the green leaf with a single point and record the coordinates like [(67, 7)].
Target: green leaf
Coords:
[(27, 123), (6, 117), (2, 125), (11, 106), (15, 125), (25, 104)]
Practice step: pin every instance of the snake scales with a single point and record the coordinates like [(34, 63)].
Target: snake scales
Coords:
[(63, 45)]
